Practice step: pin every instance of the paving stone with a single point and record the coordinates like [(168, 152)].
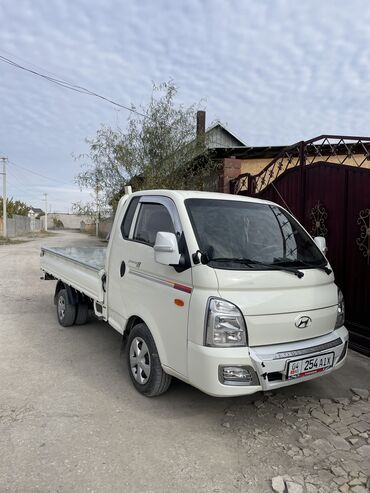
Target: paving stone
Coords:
[(351, 467), (341, 480), (344, 488), (355, 482), (355, 398), (298, 479), (314, 479), (362, 477), (294, 487), (359, 489), (353, 440), (319, 430), (331, 409), (363, 435), (364, 451), (342, 400), (293, 404), (363, 393), (327, 420), (366, 417), (344, 433), (348, 420), (339, 443), (310, 488), (323, 402), (361, 426), (325, 476), (323, 445), (361, 407), (338, 471), (278, 484)]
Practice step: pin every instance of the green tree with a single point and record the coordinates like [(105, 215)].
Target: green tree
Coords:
[(156, 150), (14, 207)]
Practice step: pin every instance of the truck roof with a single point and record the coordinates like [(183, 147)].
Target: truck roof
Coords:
[(194, 194)]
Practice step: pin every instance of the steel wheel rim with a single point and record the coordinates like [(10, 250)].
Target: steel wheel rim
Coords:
[(61, 307), (140, 361)]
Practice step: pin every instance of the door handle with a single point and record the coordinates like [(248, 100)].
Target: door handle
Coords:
[(122, 268)]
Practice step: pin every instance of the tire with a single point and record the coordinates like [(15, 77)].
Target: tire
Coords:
[(82, 313), (66, 312), (146, 374)]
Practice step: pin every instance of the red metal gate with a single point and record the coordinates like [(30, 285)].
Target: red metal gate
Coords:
[(325, 182)]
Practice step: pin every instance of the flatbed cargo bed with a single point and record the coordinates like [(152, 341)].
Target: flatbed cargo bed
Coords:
[(79, 267)]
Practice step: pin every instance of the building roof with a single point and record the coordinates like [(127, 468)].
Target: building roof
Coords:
[(36, 210), (218, 136)]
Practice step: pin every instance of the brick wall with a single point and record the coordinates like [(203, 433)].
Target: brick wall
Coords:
[(231, 169)]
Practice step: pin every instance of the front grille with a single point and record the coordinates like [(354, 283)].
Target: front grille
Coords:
[(308, 350)]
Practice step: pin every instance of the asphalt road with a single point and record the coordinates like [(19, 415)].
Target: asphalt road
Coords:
[(70, 420)]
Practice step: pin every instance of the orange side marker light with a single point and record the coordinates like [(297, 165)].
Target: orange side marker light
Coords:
[(179, 302)]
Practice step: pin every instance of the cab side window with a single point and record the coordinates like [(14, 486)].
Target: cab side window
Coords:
[(127, 220), (151, 219)]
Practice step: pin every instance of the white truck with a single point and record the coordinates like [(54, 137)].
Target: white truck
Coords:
[(227, 293)]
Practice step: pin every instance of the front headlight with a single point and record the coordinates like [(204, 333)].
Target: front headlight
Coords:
[(225, 326), (341, 311)]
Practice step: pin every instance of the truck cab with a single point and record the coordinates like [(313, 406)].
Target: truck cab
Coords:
[(227, 293)]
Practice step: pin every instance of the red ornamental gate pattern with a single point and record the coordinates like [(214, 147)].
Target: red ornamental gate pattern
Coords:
[(331, 199)]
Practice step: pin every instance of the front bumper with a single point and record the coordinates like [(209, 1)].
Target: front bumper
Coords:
[(269, 362)]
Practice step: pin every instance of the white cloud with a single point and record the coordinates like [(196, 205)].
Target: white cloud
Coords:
[(277, 72)]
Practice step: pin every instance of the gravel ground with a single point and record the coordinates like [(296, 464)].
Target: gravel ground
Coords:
[(70, 420)]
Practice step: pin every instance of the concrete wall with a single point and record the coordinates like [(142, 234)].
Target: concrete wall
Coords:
[(70, 221), (19, 226), (88, 228), (105, 227)]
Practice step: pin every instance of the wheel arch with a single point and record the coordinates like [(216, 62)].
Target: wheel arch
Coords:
[(72, 294), (134, 320)]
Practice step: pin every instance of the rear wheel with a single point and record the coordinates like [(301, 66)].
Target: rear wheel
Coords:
[(66, 312), (143, 362)]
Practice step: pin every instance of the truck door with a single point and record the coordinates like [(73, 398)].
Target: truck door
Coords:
[(157, 293)]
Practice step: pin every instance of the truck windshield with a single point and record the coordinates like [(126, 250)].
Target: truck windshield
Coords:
[(249, 235)]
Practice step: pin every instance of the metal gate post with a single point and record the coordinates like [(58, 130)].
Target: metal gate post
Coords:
[(302, 163)]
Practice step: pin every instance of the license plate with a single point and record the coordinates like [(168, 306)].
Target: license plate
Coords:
[(308, 366)]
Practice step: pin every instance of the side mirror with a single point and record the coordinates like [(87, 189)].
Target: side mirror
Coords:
[(166, 250), (321, 243)]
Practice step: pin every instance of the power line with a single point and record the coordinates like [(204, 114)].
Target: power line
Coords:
[(68, 85), (40, 175), (33, 194)]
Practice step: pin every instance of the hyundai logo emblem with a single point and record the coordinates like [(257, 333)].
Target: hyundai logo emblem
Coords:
[(303, 322)]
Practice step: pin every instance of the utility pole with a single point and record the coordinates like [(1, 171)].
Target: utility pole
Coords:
[(5, 232), (97, 211), (46, 211)]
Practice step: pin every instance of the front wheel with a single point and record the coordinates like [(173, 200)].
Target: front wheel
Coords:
[(143, 362)]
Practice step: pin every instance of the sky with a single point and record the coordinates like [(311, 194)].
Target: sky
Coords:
[(273, 71)]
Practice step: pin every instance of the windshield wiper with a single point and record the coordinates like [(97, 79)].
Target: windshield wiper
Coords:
[(250, 262), (305, 264)]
